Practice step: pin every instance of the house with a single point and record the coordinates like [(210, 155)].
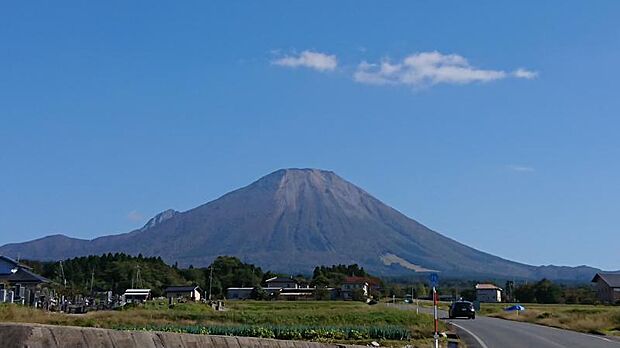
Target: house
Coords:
[(607, 287), (488, 293), (352, 284), (273, 286), (137, 295), (281, 282), (187, 292), (18, 284)]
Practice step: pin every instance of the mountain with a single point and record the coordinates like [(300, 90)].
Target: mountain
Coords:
[(292, 220)]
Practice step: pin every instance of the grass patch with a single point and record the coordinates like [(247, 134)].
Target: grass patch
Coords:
[(331, 321), (593, 319)]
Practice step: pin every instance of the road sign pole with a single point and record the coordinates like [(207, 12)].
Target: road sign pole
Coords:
[(436, 314)]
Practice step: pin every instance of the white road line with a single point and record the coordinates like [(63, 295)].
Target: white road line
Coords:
[(603, 338), (480, 341)]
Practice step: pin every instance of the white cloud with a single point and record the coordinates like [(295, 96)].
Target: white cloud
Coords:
[(135, 216), (428, 69), (520, 168), (525, 74), (309, 59)]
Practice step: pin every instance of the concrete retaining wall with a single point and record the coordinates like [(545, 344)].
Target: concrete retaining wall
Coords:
[(50, 336)]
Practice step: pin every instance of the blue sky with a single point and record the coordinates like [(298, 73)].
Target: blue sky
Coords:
[(494, 123)]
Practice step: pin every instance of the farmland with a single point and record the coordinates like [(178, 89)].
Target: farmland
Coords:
[(350, 322)]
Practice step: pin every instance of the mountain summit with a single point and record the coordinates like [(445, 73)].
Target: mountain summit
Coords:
[(292, 220)]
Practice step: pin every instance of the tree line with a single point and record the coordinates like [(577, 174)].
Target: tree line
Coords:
[(117, 272)]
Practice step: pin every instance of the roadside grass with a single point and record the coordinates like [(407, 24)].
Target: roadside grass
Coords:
[(331, 321), (593, 319)]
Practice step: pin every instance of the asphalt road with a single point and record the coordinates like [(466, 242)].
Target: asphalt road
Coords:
[(486, 332)]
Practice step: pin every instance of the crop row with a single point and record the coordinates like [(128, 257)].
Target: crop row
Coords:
[(293, 332)]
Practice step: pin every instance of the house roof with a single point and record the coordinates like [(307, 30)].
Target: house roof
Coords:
[(137, 292), (487, 287), (360, 280), (354, 280), (182, 288), (612, 279), (15, 263), (280, 279), (23, 275)]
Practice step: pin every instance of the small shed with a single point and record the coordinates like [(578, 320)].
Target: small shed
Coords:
[(607, 287), (188, 292), (137, 295), (488, 293)]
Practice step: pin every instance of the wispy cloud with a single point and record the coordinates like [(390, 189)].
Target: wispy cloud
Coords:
[(309, 59), (520, 168), (428, 69), (135, 216), (525, 74)]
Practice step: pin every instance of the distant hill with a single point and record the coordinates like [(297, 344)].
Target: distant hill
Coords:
[(292, 220)]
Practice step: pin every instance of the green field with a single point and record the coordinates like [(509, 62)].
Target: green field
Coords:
[(595, 319), (333, 321)]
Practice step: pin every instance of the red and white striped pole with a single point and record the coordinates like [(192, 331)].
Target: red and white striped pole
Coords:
[(436, 313)]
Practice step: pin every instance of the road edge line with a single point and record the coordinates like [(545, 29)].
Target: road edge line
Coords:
[(478, 339)]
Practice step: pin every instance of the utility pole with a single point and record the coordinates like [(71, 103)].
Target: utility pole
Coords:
[(434, 280), (138, 279), (210, 281), (62, 274), (92, 280), (436, 315)]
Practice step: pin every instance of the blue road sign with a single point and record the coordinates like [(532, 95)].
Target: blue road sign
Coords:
[(434, 279)]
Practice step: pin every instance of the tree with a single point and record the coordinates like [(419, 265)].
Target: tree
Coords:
[(258, 293), (320, 281), (229, 272), (421, 290), (395, 290), (358, 295), (525, 293), (336, 273), (548, 292), (468, 294), (509, 291), (321, 294)]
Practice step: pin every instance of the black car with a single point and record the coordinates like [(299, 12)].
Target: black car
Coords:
[(463, 309)]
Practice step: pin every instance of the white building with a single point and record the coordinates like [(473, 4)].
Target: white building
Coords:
[(488, 293), (137, 295), (186, 292)]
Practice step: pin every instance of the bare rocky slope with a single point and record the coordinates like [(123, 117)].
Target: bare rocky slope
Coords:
[(292, 220)]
